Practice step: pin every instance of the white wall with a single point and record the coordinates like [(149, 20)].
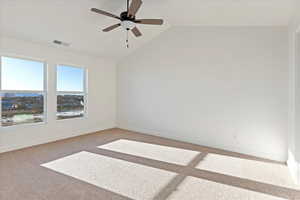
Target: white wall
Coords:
[(294, 114), (101, 96), (220, 87), (223, 87)]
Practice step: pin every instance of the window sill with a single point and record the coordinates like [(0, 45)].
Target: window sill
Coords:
[(71, 119)]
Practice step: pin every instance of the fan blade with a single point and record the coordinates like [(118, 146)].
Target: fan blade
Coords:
[(136, 32), (150, 21), (111, 27), (104, 13), (134, 7)]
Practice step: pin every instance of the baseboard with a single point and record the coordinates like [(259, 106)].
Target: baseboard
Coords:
[(294, 167), (161, 133), (53, 139)]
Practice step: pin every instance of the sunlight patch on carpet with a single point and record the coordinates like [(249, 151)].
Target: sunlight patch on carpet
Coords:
[(128, 179), (271, 173), (195, 188), (152, 151)]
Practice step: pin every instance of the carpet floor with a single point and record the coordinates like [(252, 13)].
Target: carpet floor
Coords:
[(121, 165)]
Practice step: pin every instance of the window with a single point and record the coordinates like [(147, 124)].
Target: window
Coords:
[(22, 89), (71, 94)]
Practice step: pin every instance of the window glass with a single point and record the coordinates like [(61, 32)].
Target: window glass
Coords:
[(70, 106), (22, 108), (21, 75), (70, 92), (70, 79), (22, 91)]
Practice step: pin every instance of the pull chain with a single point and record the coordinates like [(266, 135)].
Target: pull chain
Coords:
[(127, 42)]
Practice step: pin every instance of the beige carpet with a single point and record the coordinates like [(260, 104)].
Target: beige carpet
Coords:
[(119, 164)]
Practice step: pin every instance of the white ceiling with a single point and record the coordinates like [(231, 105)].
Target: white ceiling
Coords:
[(71, 21)]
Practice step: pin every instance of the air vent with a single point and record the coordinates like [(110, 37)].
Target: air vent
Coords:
[(61, 43)]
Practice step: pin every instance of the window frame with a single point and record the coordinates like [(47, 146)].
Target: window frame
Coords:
[(43, 92), (84, 92)]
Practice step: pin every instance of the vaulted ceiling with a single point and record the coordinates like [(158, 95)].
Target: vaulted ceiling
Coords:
[(71, 21)]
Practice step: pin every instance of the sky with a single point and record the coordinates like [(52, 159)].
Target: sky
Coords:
[(70, 78), (19, 74)]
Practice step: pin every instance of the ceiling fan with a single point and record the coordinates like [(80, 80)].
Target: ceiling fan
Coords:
[(128, 19)]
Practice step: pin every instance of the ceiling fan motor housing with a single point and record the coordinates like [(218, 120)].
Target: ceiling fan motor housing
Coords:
[(124, 16)]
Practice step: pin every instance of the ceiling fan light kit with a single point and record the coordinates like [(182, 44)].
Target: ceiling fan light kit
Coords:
[(128, 19), (127, 25)]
